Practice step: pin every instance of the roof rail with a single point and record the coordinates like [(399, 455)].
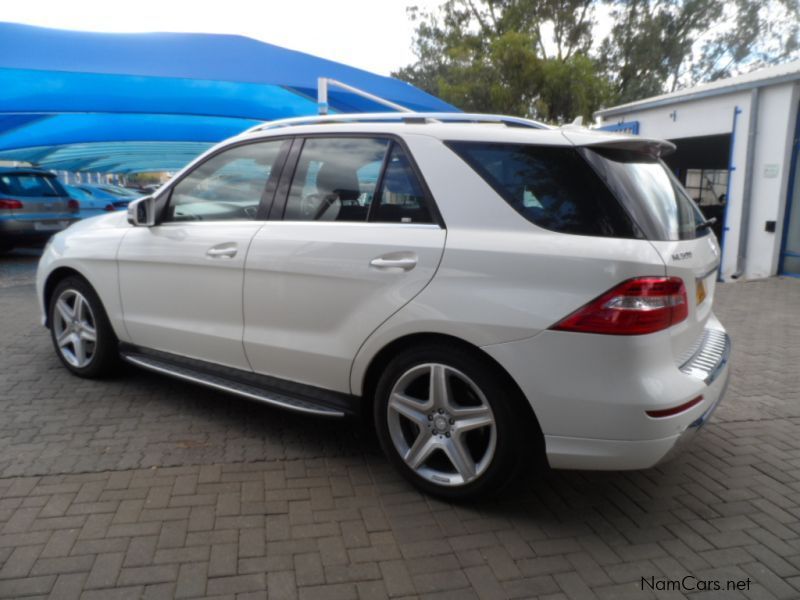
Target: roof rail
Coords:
[(404, 117)]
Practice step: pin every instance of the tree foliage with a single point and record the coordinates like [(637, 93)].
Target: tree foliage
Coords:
[(557, 59)]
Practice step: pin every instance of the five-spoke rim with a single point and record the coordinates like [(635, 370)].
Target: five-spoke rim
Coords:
[(441, 424), (74, 328)]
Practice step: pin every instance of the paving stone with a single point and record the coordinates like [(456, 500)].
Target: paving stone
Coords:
[(145, 487)]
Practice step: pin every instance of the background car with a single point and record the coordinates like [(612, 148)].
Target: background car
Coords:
[(90, 206), (108, 194), (119, 191), (33, 206)]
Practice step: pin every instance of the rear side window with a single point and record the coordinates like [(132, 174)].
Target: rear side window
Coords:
[(30, 185), (335, 179), (401, 199), (551, 186)]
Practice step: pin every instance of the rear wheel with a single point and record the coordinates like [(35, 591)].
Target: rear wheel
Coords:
[(80, 330), (446, 421)]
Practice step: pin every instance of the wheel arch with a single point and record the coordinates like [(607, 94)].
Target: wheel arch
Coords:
[(379, 361), (56, 276)]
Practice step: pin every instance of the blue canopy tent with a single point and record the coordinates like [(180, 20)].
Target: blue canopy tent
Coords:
[(124, 103)]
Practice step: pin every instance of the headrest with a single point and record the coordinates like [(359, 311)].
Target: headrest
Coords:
[(339, 179)]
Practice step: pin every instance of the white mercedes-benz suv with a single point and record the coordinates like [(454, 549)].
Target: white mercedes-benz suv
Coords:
[(487, 290)]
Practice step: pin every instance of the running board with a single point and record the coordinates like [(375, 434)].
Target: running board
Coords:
[(232, 387)]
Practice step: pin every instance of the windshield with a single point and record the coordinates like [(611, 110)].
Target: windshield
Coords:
[(650, 192)]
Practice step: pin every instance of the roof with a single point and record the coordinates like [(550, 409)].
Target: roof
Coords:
[(456, 130), (773, 75), (85, 91)]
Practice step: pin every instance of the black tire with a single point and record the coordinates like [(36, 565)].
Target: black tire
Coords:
[(5, 248), (510, 415), (105, 352)]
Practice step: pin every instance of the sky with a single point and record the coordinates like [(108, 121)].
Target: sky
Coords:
[(374, 35)]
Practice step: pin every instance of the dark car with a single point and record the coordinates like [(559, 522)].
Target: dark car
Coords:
[(33, 206)]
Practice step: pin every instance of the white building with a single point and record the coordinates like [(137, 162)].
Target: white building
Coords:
[(737, 155)]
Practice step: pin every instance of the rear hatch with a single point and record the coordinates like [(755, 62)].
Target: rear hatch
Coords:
[(670, 220), (35, 196)]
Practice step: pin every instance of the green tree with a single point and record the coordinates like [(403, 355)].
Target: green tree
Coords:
[(657, 46), (524, 57), (547, 58)]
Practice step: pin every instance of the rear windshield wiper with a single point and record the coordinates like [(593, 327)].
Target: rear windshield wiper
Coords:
[(706, 223)]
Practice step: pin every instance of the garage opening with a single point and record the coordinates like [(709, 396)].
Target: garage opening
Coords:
[(702, 166)]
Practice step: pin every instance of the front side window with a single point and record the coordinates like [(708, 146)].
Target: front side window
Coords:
[(227, 187), (551, 186), (335, 179)]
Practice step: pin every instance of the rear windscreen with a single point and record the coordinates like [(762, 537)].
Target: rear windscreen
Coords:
[(551, 186), (649, 192), (30, 185)]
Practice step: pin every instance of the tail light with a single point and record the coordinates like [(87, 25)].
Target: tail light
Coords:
[(9, 204), (109, 208), (73, 205), (634, 307)]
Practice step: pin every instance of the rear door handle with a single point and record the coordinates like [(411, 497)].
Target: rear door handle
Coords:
[(222, 251), (405, 262)]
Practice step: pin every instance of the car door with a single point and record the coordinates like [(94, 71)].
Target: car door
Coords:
[(181, 280), (354, 238)]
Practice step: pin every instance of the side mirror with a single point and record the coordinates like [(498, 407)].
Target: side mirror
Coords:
[(142, 212)]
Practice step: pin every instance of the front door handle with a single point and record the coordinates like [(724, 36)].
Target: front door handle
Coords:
[(402, 261), (222, 251)]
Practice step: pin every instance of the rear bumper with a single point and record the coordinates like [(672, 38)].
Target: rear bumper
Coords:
[(31, 228), (591, 393), (622, 455)]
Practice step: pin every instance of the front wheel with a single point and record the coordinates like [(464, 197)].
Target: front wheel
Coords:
[(447, 421), (82, 335)]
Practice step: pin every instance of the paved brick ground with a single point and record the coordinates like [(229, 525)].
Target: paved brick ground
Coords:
[(141, 487)]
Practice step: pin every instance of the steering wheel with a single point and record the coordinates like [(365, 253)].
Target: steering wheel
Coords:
[(309, 204), (315, 205)]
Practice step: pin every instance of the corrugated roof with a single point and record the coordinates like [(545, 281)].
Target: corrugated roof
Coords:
[(768, 76)]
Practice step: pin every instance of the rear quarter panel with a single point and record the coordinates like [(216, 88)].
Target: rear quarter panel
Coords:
[(501, 278)]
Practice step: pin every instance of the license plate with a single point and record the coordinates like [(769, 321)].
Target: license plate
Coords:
[(701, 291), (50, 225)]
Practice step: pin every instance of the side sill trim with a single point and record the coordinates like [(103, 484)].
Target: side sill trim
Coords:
[(257, 395)]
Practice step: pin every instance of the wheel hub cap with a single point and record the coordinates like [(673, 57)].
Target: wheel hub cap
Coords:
[(440, 423)]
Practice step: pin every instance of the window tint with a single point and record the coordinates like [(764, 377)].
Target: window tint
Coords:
[(551, 186), (226, 187), (335, 179), (30, 185), (650, 192), (401, 199)]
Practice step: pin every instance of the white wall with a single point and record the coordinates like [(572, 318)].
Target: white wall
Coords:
[(776, 121), (710, 116), (775, 127)]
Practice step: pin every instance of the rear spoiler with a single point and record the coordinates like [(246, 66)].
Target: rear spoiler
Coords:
[(600, 139)]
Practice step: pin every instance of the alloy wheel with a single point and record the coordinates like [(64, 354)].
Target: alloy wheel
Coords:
[(74, 328), (441, 424)]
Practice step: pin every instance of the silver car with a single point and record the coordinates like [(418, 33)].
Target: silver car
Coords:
[(33, 206)]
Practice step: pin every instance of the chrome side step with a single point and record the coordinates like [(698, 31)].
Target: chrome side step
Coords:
[(232, 387)]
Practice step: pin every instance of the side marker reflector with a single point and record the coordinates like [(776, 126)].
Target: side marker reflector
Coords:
[(668, 412)]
